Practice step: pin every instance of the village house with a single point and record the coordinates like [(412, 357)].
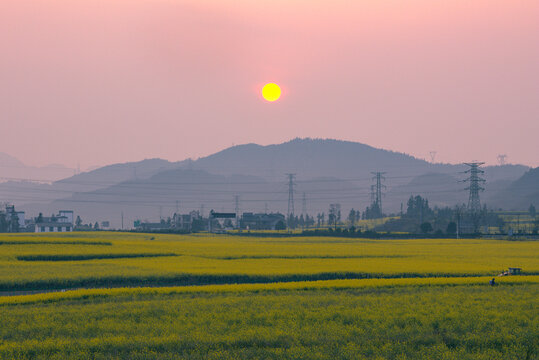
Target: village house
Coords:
[(63, 222)]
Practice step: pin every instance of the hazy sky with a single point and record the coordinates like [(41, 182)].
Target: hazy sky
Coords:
[(96, 82)]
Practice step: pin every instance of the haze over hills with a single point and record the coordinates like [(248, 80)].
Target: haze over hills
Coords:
[(23, 192), (520, 193), (13, 169), (327, 171)]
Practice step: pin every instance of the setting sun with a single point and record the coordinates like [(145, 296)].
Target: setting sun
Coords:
[(271, 92)]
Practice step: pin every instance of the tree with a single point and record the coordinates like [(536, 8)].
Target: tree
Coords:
[(78, 222), (280, 225), (96, 226), (532, 211), (301, 221), (3, 222), (418, 208), (426, 227), (451, 228), (352, 217), (334, 214), (39, 218)]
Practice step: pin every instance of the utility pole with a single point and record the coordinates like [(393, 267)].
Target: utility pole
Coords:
[(376, 194), (291, 185), (266, 208), (160, 212), (458, 221), (122, 220), (475, 181), (177, 207), (237, 210)]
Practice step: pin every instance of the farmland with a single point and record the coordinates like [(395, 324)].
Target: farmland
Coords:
[(143, 296)]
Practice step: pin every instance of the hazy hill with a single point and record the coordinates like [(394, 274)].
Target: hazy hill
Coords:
[(327, 171), (187, 190), (24, 192), (440, 189), (520, 193), (310, 158), (14, 169)]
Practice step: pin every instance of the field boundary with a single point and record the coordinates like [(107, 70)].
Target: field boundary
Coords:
[(209, 279), (344, 284)]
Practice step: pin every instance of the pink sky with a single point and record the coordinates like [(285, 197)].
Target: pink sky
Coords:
[(97, 82)]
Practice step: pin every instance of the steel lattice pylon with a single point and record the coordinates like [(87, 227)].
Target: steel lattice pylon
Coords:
[(475, 181), (291, 184)]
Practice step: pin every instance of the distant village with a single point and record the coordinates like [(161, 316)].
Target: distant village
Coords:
[(65, 221), (417, 218)]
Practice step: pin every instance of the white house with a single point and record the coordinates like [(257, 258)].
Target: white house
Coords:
[(63, 222)]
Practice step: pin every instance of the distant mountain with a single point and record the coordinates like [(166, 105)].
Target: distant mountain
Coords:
[(327, 171), (188, 190), (440, 189), (519, 194), (112, 174), (310, 158), (31, 192), (13, 169), (8, 160)]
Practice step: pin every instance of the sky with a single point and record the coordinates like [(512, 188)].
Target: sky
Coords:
[(94, 82)]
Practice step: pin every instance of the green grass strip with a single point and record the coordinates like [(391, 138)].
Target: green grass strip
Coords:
[(37, 242), (87, 257)]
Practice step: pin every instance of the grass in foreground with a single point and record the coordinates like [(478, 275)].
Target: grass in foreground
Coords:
[(350, 319)]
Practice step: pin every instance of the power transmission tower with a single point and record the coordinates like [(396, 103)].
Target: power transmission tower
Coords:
[(475, 181), (501, 159), (432, 155), (291, 185), (376, 194), (237, 210)]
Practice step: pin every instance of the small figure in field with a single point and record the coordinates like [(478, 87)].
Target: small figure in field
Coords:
[(492, 282)]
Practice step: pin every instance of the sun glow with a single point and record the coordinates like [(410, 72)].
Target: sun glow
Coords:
[(271, 92)]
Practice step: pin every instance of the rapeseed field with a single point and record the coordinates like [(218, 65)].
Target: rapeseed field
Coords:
[(104, 259), (140, 296)]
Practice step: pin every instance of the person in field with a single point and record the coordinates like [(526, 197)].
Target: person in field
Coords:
[(492, 282)]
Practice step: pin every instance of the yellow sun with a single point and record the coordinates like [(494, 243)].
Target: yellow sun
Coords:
[(271, 92)]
